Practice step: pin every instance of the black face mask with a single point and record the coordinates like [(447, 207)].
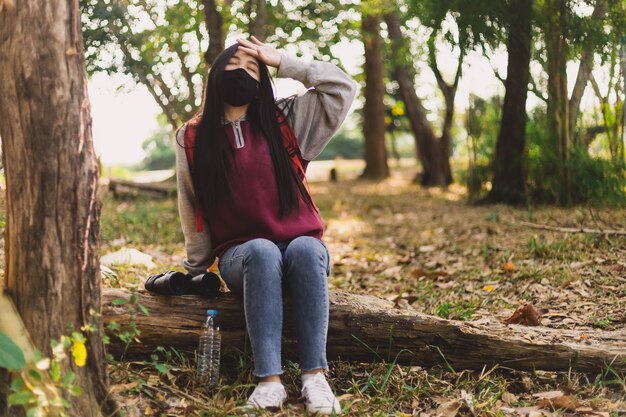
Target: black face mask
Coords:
[(238, 87)]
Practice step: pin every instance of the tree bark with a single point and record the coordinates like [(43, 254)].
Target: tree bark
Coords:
[(257, 23), (622, 139), (558, 102), (509, 179), (213, 21), (51, 249), (426, 145), (449, 93), (374, 110), (367, 328), (584, 71)]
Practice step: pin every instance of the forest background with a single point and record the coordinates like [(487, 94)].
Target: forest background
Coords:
[(459, 195)]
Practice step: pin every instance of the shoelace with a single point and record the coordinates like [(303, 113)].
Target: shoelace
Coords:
[(317, 390), (266, 397)]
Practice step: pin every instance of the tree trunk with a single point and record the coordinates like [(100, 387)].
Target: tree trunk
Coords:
[(426, 145), (449, 93), (367, 328), (374, 110), (51, 241), (509, 179), (623, 133), (445, 141), (584, 71), (213, 21), (257, 22), (558, 102)]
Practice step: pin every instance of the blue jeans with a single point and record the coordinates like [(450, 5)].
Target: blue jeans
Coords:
[(256, 269)]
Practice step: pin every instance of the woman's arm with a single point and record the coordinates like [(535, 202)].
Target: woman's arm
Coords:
[(319, 112), (197, 244)]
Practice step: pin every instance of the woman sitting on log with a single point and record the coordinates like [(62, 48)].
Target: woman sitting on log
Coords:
[(242, 198)]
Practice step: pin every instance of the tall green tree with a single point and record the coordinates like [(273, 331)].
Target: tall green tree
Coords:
[(459, 25), (376, 166), (509, 177), (426, 144), (160, 152), (51, 265), (568, 34), (166, 47), (169, 46)]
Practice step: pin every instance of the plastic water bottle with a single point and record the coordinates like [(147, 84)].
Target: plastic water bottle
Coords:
[(208, 369)]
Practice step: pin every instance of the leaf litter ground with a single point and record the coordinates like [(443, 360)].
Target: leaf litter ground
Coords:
[(424, 249)]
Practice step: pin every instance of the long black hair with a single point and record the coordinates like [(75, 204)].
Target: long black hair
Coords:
[(213, 152)]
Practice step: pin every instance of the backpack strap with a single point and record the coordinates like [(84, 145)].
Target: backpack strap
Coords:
[(190, 138), (290, 143)]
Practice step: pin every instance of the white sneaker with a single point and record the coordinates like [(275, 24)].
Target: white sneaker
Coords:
[(318, 395), (267, 395)]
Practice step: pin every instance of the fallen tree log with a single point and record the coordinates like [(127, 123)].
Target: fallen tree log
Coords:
[(121, 188), (368, 328)]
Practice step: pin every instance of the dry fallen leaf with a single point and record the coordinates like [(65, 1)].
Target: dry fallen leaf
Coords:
[(509, 398), (565, 402), (449, 408), (489, 288), (527, 315), (117, 388), (548, 394), (521, 411), (509, 266)]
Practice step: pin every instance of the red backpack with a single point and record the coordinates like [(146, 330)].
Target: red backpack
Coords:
[(289, 142)]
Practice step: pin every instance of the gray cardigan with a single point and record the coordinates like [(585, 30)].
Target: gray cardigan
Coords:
[(316, 116)]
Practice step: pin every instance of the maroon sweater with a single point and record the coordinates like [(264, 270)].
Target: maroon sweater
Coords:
[(252, 210), (315, 117)]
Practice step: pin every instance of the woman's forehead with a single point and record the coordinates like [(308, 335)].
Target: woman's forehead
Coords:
[(243, 55)]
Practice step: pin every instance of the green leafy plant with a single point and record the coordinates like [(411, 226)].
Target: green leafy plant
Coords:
[(37, 386), (11, 356), (456, 311), (131, 333)]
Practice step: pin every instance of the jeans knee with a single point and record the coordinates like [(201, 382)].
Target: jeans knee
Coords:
[(305, 245), (307, 248), (262, 250)]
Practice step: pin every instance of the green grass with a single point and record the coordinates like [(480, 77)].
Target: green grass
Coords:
[(140, 221)]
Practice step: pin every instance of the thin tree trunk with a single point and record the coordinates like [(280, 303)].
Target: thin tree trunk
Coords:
[(445, 141), (426, 145), (584, 71), (213, 21), (257, 23), (51, 249), (623, 133), (558, 102), (508, 185), (449, 93), (374, 110), (394, 147)]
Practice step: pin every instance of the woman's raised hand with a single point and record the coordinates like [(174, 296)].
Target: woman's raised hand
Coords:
[(263, 52)]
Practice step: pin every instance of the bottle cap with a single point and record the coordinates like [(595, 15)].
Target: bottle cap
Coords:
[(211, 312)]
